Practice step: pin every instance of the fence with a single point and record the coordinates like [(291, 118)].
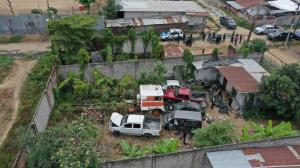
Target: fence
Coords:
[(134, 68), (32, 24), (194, 158), (41, 115)]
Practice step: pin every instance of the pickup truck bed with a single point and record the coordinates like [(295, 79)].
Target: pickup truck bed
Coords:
[(153, 124)]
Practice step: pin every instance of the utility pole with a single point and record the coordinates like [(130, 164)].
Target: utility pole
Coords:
[(292, 25)]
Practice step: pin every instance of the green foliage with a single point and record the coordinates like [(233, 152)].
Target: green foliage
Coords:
[(154, 77), (158, 51), (30, 94), (108, 53), (111, 9), (10, 39), (160, 147), (132, 38), (108, 37), (255, 45), (65, 145), (70, 34), (215, 54), (126, 87), (280, 91), (245, 52), (165, 146), (6, 63), (37, 11), (146, 38), (52, 10), (83, 58), (188, 68), (258, 132), (218, 133), (87, 4)]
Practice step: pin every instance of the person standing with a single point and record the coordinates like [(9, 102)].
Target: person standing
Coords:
[(241, 38), (231, 40), (224, 37), (236, 39), (204, 35)]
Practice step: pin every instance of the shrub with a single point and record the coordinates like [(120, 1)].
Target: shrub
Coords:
[(37, 11)]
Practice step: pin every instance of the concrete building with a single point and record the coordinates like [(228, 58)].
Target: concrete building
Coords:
[(239, 77), (195, 14), (267, 157)]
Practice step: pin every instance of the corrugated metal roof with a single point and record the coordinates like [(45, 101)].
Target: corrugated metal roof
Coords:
[(240, 79), (250, 3), (228, 159), (160, 6), (235, 5), (173, 51), (284, 156), (138, 21)]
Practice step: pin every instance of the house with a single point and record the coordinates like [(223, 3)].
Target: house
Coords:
[(160, 24), (195, 14), (239, 77), (280, 157)]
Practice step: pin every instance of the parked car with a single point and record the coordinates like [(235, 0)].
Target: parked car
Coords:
[(228, 22), (171, 34), (297, 34), (279, 35), (132, 124), (185, 114), (175, 95), (265, 29)]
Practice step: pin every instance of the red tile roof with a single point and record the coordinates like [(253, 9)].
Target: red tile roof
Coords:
[(173, 51), (250, 3), (239, 79), (284, 156)]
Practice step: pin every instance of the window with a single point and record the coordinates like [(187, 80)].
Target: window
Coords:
[(128, 125), (157, 98), (136, 125)]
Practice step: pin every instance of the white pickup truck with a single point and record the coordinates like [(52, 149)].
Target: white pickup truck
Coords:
[(132, 124)]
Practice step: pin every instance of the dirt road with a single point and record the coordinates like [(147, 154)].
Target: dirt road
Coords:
[(9, 95), (25, 47)]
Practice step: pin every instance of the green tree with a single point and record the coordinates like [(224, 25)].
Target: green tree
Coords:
[(108, 53), (158, 51), (146, 38), (189, 68), (218, 133), (132, 38), (83, 58), (65, 145), (154, 77), (255, 45), (111, 9), (280, 93), (255, 131), (215, 54), (108, 37), (70, 34), (87, 4)]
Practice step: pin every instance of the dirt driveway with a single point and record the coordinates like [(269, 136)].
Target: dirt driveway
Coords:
[(24, 47), (9, 95)]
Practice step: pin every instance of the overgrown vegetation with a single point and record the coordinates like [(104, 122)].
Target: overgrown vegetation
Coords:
[(218, 133), (30, 94), (111, 9), (255, 131), (6, 63), (64, 145), (255, 45), (154, 77), (160, 147), (70, 34), (10, 39), (280, 92)]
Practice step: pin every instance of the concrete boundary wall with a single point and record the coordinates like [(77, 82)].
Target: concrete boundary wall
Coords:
[(134, 68), (194, 158)]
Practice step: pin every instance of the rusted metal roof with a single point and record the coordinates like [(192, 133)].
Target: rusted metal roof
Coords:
[(250, 3), (283, 157), (239, 79), (173, 51), (202, 14)]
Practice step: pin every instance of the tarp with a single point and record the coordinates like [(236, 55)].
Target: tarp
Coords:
[(286, 5)]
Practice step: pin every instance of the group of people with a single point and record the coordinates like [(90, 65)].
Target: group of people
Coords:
[(218, 38)]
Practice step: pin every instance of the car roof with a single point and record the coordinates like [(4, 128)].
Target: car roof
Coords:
[(175, 30), (134, 118), (190, 115)]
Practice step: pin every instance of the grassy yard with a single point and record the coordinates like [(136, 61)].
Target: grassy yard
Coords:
[(6, 63)]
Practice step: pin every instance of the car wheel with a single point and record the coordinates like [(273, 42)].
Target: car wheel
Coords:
[(116, 133), (147, 135)]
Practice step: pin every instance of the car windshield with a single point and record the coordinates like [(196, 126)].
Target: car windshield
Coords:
[(263, 27), (124, 120)]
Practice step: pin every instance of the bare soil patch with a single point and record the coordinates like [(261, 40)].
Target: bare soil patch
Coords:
[(9, 95)]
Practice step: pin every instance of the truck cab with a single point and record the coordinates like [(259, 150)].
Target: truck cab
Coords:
[(132, 124)]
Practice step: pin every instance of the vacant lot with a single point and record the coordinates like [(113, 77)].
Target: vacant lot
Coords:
[(64, 7)]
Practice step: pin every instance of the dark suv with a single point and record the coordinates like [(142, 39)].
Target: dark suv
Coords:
[(279, 35), (228, 22)]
